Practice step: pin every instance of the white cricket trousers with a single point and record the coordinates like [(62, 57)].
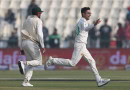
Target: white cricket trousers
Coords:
[(34, 57), (79, 51)]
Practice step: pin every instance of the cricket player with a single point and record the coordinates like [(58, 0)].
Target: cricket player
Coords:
[(80, 50), (32, 41)]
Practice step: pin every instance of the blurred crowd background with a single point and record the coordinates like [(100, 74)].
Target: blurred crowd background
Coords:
[(59, 19)]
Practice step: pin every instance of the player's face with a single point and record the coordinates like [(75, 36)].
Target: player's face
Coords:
[(87, 14)]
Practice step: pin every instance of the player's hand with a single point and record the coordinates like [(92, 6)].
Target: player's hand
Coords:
[(22, 52), (97, 22), (43, 50)]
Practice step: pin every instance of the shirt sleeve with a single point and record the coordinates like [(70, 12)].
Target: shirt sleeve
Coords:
[(20, 43), (87, 26), (20, 39), (40, 33)]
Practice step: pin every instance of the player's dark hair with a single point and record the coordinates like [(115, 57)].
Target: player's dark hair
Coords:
[(84, 9)]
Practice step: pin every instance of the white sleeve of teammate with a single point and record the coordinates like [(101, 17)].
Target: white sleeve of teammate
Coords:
[(40, 33), (20, 39), (20, 44), (87, 26)]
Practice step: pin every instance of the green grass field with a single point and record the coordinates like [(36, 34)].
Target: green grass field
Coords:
[(65, 80)]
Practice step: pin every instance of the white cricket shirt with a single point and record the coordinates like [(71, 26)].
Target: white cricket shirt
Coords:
[(82, 29), (32, 29)]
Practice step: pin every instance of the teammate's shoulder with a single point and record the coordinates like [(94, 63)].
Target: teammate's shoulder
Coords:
[(39, 20)]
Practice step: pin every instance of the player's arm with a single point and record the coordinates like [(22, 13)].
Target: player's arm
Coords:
[(20, 41), (90, 26), (20, 44), (40, 35), (87, 26)]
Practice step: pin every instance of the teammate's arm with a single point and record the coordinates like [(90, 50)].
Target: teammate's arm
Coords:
[(40, 35), (90, 26), (87, 26), (20, 44)]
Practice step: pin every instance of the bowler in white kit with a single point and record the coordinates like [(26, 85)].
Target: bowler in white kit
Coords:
[(80, 50)]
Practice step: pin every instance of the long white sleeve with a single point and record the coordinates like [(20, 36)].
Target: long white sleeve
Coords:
[(89, 27), (40, 34), (20, 39)]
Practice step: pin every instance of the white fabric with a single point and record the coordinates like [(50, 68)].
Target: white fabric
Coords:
[(28, 74), (82, 29), (32, 52), (32, 29), (40, 34), (34, 57), (79, 51)]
